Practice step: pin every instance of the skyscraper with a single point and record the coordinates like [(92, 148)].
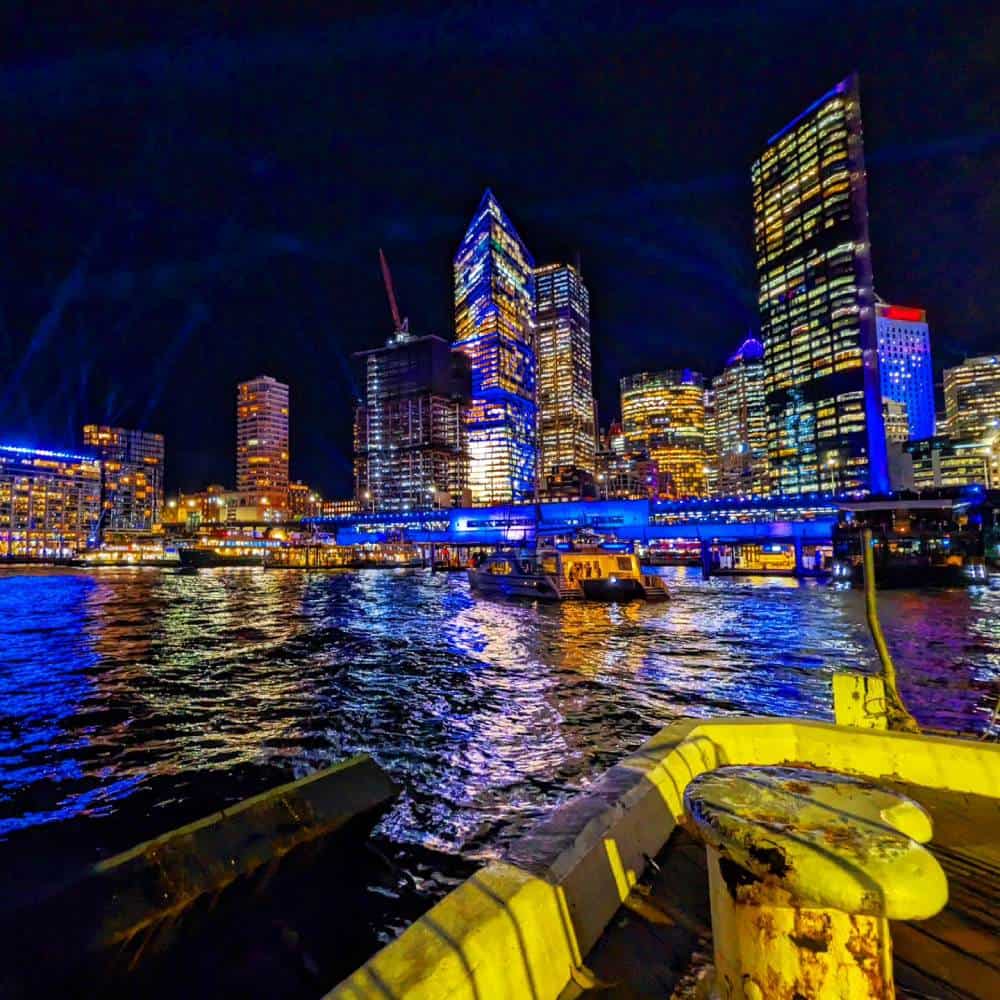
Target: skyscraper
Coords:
[(904, 362), (262, 442), (410, 436), (566, 435), (741, 424), (972, 398), (824, 400), (972, 408), (131, 476), (495, 329), (663, 415)]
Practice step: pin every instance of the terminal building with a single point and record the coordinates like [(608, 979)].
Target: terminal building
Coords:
[(817, 305), (50, 503), (132, 471)]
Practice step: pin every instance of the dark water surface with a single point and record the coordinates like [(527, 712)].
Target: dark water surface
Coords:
[(135, 700)]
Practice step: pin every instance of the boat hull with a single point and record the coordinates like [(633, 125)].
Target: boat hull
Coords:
[(533, 588), (209, 558)]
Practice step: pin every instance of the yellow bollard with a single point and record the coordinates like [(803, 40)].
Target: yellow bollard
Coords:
[(806, 868)]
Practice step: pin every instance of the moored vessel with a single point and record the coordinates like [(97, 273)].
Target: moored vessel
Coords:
[(569, 571)]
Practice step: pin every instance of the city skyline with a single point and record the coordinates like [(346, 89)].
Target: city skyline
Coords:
[(165, 246)]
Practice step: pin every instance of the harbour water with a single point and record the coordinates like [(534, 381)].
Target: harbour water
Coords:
[(132, 701)]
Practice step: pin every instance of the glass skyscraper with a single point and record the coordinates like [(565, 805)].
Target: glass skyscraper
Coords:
[(495, 329), (740, 423), (904, 362), (566, 434), (663, 416), (817, 306)]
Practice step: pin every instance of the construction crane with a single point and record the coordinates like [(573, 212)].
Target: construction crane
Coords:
[(400, 325)]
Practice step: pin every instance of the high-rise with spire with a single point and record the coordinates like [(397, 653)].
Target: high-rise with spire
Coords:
[(495, 329)]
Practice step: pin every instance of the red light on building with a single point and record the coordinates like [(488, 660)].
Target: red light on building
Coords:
[(904, 313)]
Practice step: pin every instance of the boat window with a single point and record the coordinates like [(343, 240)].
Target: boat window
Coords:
[(549, 564), (500, 568), (624, 562)]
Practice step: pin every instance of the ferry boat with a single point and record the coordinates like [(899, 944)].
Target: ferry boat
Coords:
[(592, 572), (131, 554)]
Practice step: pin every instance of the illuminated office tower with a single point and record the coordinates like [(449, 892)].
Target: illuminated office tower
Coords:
[(131, 476), (566, 436), (824, 400), (262, 443), (904, 363), (409, 430), (972, 408), (663, 416), (741, 423), (495, 329), (972, 398), (50, 503)]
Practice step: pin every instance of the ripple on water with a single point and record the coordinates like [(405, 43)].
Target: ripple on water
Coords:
[(134, 701)]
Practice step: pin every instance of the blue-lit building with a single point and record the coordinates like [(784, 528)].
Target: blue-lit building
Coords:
[(817, 306), (904, 361), (50, 503), (495, 329)]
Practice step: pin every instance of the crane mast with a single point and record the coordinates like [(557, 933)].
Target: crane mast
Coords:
[(399, 325)]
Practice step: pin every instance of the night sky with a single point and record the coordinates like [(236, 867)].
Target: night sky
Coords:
[(193, 198)]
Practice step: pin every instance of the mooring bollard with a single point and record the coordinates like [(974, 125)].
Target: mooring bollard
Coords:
[(806, 868)]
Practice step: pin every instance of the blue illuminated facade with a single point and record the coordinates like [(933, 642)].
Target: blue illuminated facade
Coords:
[(495, 329), (904, 362)]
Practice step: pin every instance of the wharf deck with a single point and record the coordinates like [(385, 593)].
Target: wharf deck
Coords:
[(661, 935)]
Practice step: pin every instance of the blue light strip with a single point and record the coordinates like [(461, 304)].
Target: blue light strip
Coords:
[(42, 453), (839, 89)]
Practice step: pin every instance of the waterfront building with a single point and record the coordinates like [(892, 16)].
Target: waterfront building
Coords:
[(495, 329), (939, 462), (341, 508), (663, 416), (566, 428), (217, 505), (132, 476), (904, 362), (813, 258), (632, 476), (262, 443), (50, 503), (741, 423), (972, 406), (896, 418), (409, 429), (303, 501)]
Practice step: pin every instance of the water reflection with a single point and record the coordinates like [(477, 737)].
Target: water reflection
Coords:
[(140, 699)]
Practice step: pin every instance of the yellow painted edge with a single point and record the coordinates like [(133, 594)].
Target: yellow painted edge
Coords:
[(505, 932)]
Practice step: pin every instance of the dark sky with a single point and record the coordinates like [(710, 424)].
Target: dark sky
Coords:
[(192, 198)]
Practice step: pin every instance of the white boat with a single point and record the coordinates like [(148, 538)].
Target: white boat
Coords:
[(591, 572)]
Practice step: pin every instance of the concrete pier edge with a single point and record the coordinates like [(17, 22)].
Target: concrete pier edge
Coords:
[(522, 926)]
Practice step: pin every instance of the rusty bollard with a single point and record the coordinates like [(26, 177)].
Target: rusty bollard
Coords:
[(806, 868)]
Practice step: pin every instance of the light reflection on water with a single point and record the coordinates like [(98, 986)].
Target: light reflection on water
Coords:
[(140, 699)]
